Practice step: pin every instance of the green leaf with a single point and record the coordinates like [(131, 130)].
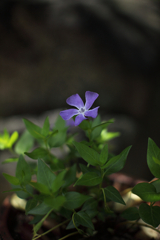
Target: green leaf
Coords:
[(11, 179), (74, 200), (104, 124), (37, 153), (70, 176), (20, 193), (23, 171), (60, 124), (116, 163), (65, 212), (39, 224), (113, 194), (12, 139), (58, 182), (131, 214), (147, 192), (36, 219), (25, 143), (4, 138), (41, 187), (9, 160), (56, 164), (96, 129), (71, 225), (84, 168), (104, 155), (83, 219), (41, 209), (46, 126), (88, 154), (55, 203), (31, 203), (107, 136), (58, 139), (33, 129), (90, 205), (156, 184), (45, 174), (89, 179), (91, 213), (150, 214), (153, 158), (85, 125)]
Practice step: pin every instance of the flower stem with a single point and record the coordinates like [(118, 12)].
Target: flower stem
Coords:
[(51, 229), (71, 234)]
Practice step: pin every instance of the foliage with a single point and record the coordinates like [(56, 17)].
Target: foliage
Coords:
[(59, 182)]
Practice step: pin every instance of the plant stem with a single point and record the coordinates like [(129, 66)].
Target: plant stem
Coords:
[(141, 224), (149, 226), (71, 234), (51, 229)]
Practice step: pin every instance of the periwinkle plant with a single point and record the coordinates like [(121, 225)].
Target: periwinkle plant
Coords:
[(57, 191)]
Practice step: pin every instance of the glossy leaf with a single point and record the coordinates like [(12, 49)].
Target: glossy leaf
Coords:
[(45, 174), (31, 203), (153, 158), (41, 187), (58, 182), (74, 200), (104, 155), (104, 124), (23, 171), (46, 127), (11, 179), (150, 214), (96, 129), (25, 143), (107, 136), (71, 225), (37, 153), (91, 213), (13, 138), (116, 163), (70, 176), (88, 154), (90, 204), (83, 219), (4, 138), (89, 179), (131, 214), (58, 139), (65, 212), (85, 125), (147, 192), (113, 194), (10, 160), (33, 129), (60, 124), (56, 164), (156, 184), (41, 209), (56, 203)]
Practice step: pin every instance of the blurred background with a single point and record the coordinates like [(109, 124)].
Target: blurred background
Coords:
[(51, 49)]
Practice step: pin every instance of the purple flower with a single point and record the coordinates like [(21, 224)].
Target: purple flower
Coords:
[(82, 110)]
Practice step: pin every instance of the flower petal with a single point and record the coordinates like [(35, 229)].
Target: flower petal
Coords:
[(79, 119), (92, 113), (90, 98), (76, 101), (67, 114)]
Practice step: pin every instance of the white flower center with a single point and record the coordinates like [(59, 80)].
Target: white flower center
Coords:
[(82, 110)]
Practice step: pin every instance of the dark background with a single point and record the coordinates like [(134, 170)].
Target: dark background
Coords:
[(52, 49)]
